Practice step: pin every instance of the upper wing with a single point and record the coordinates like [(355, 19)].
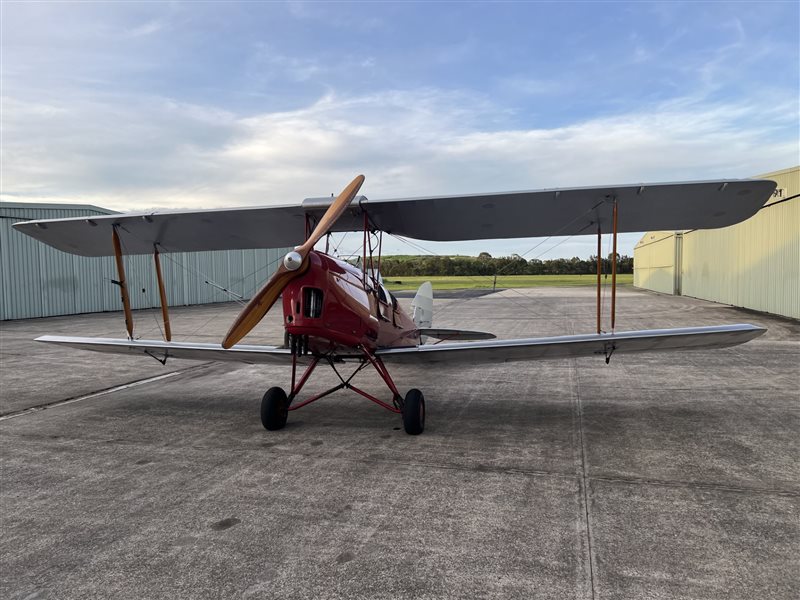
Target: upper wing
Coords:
[(604, 344), (571, 211)]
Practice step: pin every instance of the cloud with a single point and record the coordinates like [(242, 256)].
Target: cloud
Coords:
[(534, 86), (153, 152), (418, 142), (142, 105), (267, 65), (337, 15), (145, 29), (455, 53)]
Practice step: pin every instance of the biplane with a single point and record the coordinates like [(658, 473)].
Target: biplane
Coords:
[(338, 313)]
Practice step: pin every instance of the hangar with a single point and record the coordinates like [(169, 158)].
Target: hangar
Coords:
[(39, 281), (754, 264)]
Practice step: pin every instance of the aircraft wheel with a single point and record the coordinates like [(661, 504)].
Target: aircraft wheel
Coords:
[(414, 412), (274, 409)]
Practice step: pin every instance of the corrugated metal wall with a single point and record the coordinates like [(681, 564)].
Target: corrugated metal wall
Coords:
[(40, 281), (654, 262), (754, 264)]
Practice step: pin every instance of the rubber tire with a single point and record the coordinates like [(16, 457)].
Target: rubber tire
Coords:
[(414, 412), (274, 409)]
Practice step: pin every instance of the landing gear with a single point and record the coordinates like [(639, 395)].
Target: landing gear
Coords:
[(276, 404), (274, 409), (414, 412)]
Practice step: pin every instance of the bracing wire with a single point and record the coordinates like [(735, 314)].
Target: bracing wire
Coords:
[(208, 280), (461, 301), (336, 246), (166, 253), (534, 247)]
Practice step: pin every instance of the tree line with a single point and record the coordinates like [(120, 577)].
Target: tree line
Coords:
[(485, 264)]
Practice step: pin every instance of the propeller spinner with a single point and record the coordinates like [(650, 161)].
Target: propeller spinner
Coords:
[(294, 264)]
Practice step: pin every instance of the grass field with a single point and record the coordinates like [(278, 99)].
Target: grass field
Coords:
[(503, 281)]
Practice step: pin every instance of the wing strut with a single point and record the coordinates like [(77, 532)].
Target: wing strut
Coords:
[(614, 230), (123, 286), (162, 292), (614, 270), (599, 270), (364, 248)]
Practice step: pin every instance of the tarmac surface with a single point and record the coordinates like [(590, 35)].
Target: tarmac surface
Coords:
[(657, 476)]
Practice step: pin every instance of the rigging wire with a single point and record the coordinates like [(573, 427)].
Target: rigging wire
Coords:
[(217, 312), (206, 279), (336, 246), (559, 230), (461, 301), (537, 245), (370, 241)]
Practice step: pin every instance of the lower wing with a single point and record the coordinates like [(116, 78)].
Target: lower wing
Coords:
[(604, 344), (163, 350), (566, 346)]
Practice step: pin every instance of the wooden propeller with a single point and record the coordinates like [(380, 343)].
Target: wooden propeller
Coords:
[(293, 265)]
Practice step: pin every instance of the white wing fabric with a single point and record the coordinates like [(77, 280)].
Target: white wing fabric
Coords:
[(569, 211), (690, 338), (567, 346)]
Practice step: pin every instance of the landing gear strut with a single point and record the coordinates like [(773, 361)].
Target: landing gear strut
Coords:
[(276, 404)]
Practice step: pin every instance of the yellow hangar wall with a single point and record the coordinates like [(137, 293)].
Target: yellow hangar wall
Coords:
[(754, 264), (654, 262)]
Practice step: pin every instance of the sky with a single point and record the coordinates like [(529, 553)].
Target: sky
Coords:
[(153, 105)]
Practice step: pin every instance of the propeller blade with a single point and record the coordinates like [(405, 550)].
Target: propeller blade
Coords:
[(293, 264), (332, 215), (260, 304)]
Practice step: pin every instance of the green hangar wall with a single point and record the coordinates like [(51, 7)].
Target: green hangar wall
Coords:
[(39, 281), (754, 264)]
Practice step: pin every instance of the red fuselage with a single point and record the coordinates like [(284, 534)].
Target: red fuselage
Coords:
[(331, 304)]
